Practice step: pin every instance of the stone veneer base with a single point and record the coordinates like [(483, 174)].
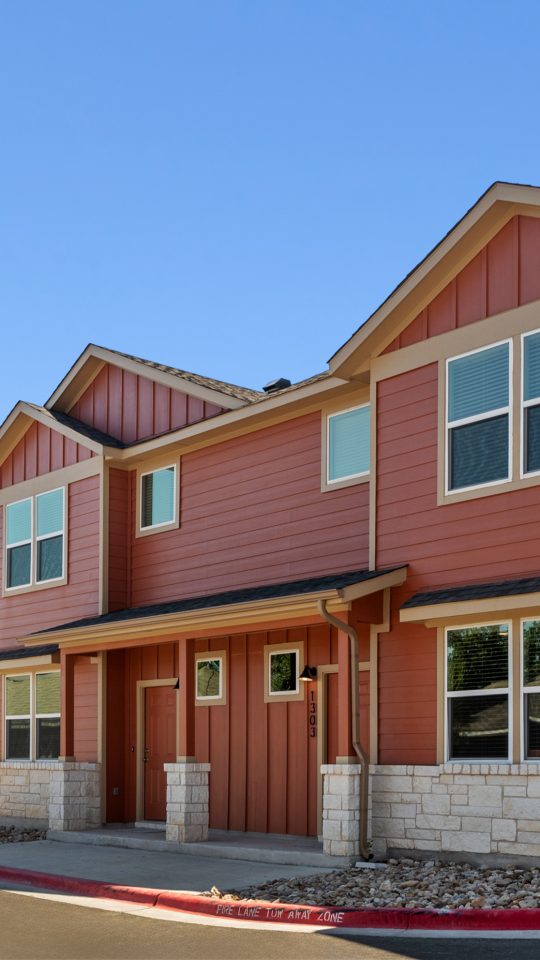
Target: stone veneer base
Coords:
[(75, 796), (187, 802), (24, 791), (341, 809), (465, 809)]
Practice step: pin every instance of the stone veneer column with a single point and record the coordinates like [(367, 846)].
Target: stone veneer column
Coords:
[(75, 796), (187, 801), (341, 809)]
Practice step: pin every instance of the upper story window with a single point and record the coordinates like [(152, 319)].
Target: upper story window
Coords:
[(478, 693), (35, 533), (478, 417), (158, 498), (531, 403), (348, 444)]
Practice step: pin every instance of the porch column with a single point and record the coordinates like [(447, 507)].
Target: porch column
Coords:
[(67, 705), (345, 749), (187, 780)]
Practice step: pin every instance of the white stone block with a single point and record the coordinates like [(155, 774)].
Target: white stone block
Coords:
[(459, 842), (503, 829), (436, 804)]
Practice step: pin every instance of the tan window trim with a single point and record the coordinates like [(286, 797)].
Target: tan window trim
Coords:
[(36, 585), (291, 696), (327, 411), (143, 470), (221, 699)]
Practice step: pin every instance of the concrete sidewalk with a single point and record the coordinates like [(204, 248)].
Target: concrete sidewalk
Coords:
[(143, 868)]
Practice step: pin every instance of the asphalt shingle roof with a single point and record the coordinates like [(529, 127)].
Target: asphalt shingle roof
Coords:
[(474, 591)]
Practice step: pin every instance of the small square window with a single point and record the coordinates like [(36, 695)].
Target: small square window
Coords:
[(210, 680), (348, 444), (158, 498), (282, 668)]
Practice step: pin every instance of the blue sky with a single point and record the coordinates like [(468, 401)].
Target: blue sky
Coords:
[(232, 186)]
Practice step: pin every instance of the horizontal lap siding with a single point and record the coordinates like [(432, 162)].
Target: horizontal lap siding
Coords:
[(119, 539), (40, 451), (502, 276), (85, 730), (252, 512), (33, 611), (131, 407), (490, 538)]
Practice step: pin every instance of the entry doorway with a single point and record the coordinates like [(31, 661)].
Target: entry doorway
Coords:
[(157, 746)]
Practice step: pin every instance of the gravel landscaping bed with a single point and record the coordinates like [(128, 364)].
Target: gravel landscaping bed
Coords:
[(406, 883), (20, 834)]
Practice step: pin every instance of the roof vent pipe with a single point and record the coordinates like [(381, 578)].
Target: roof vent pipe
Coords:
[(279, 384)]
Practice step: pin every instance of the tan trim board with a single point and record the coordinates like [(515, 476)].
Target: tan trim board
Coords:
[(441, 695), (104, 537), (232, 614), (515, 692), (14, 666), (49, 481), (141, 687), (433, 614)]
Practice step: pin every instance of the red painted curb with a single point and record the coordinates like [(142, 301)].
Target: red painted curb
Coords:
[(398, 918)]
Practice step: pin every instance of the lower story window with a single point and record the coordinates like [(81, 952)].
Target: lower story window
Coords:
[(477, 692), (531, 688), (32, 714)]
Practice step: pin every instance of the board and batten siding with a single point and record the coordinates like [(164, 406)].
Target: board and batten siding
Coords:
[(40, 451), (32, 611), (490, 538), (252, 512), (263, 760), (504, 275), (133, 407)]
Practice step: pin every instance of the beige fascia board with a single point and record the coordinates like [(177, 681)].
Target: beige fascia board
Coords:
[(394, 578), (42, 661), (68, 391), (237, 422), (231, 615), (12, 431), (435, 614), (461, 245)]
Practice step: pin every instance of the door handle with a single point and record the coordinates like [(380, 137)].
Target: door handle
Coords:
[(146, 756)]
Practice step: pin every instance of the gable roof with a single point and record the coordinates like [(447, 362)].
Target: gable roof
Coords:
[(23, 414), (500, 202), (93, 357)]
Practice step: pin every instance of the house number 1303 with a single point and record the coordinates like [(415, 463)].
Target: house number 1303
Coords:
[(312, 714)]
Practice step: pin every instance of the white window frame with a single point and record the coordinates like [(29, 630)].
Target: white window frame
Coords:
[(490, 415), (451, 695), (41, 716), (350, 476), (20, 716), (173, 522), (524, 405), (34, 540)]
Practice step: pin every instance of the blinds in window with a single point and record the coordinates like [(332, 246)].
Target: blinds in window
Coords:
[(50, 513), (19, 522), (478, 383), (157, 497), (531, 367), (477, 658), (348, 443)]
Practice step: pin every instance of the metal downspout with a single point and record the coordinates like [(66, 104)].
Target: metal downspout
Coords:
[(355, 723)]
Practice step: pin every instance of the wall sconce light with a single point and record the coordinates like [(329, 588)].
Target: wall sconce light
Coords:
[(308, 673)]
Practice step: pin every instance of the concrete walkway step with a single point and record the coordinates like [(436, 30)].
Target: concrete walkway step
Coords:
[(293, 851)]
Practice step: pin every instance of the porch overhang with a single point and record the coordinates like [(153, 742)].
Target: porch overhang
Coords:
[(273, 602), (461, 604)]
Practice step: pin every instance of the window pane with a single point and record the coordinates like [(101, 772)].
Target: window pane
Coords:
[(17, 696), (19, 521), (348, 443), (532, 725), (477, 658), (48, 738), (50, 512), (18, 566), (478, 728), (531, 653), (479, 453), (18, 739), (532, 438), (157, 497), (531, 366), (50, 558), (283, 672), (478, 383), (208, 678), (48, 692)]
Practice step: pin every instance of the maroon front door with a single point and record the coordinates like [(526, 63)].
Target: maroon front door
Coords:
[(159, 748)]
